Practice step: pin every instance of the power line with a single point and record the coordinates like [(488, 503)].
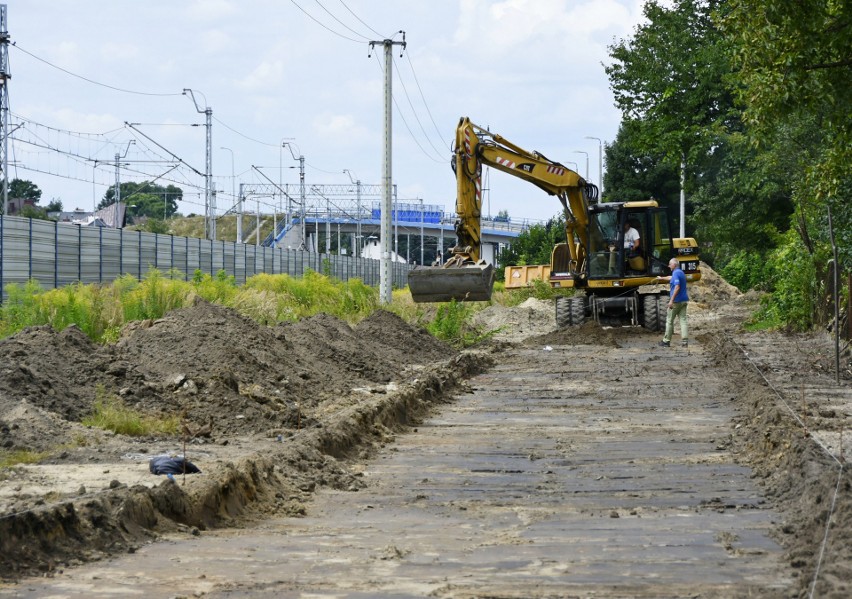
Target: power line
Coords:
[(401, 116), (243, 135), (359, 20), (425, 103), (339, 21), (413, 110), (311, 17), (92, 81)]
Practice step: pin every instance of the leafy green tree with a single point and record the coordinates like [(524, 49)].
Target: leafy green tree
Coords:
[(669, 80), (55, 205), (21, 188), (794, 60), (534, 245), (34, 212), (27, 190), (150, 199), (635, 174), (794, 65)]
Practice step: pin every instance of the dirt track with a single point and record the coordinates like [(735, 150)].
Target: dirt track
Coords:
[(583, 469)]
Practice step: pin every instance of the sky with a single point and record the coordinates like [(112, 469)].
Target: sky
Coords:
[(290, 78)]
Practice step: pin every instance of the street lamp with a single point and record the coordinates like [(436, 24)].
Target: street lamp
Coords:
[(576, 168), (600, 161), (357, 183), (587, 161), (288, 218)]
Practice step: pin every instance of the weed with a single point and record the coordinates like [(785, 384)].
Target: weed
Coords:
[(110, 413), (452, 324), (9, 459)]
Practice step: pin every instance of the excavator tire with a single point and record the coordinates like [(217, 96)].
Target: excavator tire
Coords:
[(570, 311), (653, 316), (563, 312), (578, 310)]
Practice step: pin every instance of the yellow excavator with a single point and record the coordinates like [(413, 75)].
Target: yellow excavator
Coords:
[(601, 256)]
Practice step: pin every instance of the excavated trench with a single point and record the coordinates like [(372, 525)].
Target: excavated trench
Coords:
[(582, 462)]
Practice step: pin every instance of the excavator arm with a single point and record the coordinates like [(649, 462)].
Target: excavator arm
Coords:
[(465, 276)]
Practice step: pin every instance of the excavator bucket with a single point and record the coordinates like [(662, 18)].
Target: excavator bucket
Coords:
[(468, 283)]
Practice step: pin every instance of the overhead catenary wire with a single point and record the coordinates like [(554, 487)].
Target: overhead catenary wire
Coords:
[(92, 81), (77, 156)]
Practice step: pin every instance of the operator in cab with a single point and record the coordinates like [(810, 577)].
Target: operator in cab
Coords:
[(631, 240)]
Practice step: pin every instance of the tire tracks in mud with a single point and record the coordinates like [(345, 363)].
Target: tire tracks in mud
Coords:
[(574, 470)]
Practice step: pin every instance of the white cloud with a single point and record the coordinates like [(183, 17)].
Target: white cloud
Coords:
[(342, 129), (210, 10), (216, 40), (529, 69), (264, 75)]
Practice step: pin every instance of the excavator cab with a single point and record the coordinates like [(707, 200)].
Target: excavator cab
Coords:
[(612, 249)]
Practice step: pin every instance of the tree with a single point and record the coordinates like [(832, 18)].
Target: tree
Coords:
[(21, 188), (534, 245), (669, 81), (634, 174), (502, 216), (54, 206), (794, 60), (794, 64), (149, 199), (34, 212)]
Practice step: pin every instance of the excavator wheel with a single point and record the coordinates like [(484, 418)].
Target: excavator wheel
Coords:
[(653, 314), (570, 311)]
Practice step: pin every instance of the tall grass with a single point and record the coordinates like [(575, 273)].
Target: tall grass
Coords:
[(101, 311)]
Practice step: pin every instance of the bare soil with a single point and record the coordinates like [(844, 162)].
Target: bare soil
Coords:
[(272, 413)]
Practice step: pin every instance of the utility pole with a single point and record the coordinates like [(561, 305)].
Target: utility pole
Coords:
[(385, 275), (117, 193), (356, 250), (240, 215), (209, 196), (5, 75), (682, 197), (301, 192), (302, 198)]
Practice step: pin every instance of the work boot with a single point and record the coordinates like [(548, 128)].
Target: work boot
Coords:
[(664, 343)]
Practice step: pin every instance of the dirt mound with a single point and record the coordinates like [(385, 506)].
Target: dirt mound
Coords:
[(589, 333), (215, 368), (399, 340), (712, 288), (55, 371), (532, 317), (344, 354)]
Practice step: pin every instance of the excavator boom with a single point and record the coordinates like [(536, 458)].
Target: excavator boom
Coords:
[(465, 276)]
